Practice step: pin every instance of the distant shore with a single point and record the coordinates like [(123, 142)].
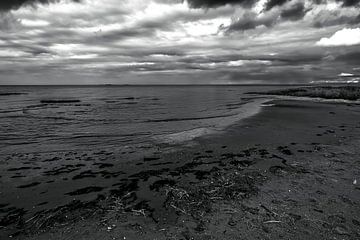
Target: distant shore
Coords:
[(326, 92)]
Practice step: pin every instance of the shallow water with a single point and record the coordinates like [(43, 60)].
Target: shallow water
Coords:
[(115, 116)]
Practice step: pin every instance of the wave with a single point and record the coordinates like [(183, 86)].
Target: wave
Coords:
[(247, 110), (316, 99), (187, 119), (186, 136)]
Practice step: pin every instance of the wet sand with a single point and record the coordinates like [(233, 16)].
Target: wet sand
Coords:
[(289, 172)]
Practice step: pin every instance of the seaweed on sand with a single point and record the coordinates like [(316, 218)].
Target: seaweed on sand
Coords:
[(196, 201), (187, 201), (54, 101), (66, 214), (11, 93)]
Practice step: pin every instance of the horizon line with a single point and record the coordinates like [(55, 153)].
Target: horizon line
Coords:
[(124, 85)]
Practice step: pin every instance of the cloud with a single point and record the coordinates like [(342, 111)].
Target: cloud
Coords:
[(295, 12), (219, 3), (344, 37), (172, 40), (273, 3), (349, 3), (6, 5), (325, 18), (250, 20), (345, 75), (8, 21), (350, 58)]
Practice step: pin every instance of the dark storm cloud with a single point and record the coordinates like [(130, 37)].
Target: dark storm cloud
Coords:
[(349, 3), (294, 13), (250, 20), (219, 3), (120, 39), (248, 3), (243, 24), (327, 18), (6, 5), (272, 3), (350, 58)]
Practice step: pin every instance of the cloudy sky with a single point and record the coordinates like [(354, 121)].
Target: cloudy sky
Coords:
[(176, 41)]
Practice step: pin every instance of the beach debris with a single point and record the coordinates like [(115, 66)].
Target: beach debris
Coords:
[(61, 215), (177, 208), (355, 182), (111, 227), (180, 193), (232, 223), (269, 211), (272, 221), (140, 211), (341, 230)]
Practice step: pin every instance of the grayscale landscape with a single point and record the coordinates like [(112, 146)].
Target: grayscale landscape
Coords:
[(172, 119)]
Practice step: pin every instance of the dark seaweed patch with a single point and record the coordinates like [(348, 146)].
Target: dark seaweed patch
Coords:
[(146, 174), (125, 186), (202, 157), (17, 176), (277, 170), (42, 203), (159, 164), (284, 150), (14, 216), (148, 159), (29, 185), (85, 190), (161, 183), (18, 169), (2, 205), (54, 101), (11, 93), (58, 171), (52, 159), (103, 165), (243, 163)]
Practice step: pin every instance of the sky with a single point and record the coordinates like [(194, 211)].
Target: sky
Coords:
[(179, 41)]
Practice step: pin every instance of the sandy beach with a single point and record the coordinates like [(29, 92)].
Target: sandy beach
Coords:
[(289, 172)]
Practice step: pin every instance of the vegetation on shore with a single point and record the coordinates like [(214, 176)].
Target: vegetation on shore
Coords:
[(327, 92)]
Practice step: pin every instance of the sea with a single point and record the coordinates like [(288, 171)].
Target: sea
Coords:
[(55, 118)]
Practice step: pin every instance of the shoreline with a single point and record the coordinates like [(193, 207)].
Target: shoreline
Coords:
[(248, 109)]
